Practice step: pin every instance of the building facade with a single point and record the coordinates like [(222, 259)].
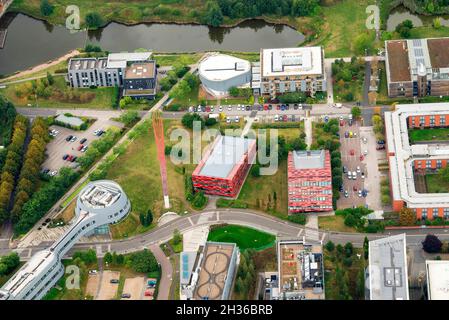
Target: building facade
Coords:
[(225, 165), (417, 67), (290, 70), (309, 181), (117, 70), (99, 203), (409, 162)]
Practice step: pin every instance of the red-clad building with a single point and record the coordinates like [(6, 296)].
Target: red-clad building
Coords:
[(224, 166), (309, 181)]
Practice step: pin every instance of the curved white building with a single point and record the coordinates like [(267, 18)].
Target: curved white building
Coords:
[(99, 203), (220, 72)]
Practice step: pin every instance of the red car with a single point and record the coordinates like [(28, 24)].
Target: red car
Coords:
[(148, 293), (278, 107), (80, 147), (69, 158), (265, 107), (362, 157), (354, 188), (342, 123), (351, 152)]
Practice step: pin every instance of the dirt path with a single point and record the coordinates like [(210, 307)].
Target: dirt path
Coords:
[(42, 66)]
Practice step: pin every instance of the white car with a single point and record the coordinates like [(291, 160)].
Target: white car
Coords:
[(354, 175), (237, 119), (365, 140), (220, 108), (229, 108), (338, 105), (360, 193), (53, 173), (358, 169), (276, 118), (365, 152), (228, 120), (74, 138), (363, 175), (256, 119)]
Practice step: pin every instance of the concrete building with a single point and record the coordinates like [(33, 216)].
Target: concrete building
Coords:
[(218, 73), (224, 166), (292, 69), (408, 162), (99, 203), (387, 270), (301, 271), (417, 67), (437, 279), (309, 181), (116, 70), (140, 80), (209, 273)]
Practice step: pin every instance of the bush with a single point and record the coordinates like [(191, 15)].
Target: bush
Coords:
[(143, 261), (9, 263), (299, 218), (88, 256), (46, 8), (330, 246), (210, 122), (94, 20), (432, 244)]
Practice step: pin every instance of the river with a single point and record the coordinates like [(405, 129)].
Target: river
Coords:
[(30, 42)]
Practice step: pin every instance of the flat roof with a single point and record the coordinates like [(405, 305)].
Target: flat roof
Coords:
[(312, 159), (141, 70), (403, 155), (388, 279), (74, 121), (300, 268), (100, 194), (83, 63), (221, 67), (225, 153), (214, 270), (292, 61), (439, 53), (120, 60), (398, 62), (437, 279)]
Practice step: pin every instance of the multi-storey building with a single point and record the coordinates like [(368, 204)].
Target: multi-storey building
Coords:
[(292, 69), (437, 279), (99, 203), (417, 67), (309, 181), (408, 161), (224, 166), (133, 71)]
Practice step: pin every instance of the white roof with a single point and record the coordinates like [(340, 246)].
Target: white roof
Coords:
[(120, 60), (437, 279), (222, 67), (292, 61), (401, 163)]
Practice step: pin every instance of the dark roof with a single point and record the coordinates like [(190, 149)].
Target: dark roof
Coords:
[(398, 61)]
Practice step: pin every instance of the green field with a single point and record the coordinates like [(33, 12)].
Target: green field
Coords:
[(244, 237), (137, 171), (436, 184), (165, 60), (417, 135), (334, 223)]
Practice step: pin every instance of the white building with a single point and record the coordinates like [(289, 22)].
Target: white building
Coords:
[(286, 70), (218, 73), (437, 279), (99, 203)]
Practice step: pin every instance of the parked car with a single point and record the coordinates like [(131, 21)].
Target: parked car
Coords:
[(354, 175), (358, 169), (148, 293), (351, 152), (346, 134), (80, 147), (229, 108), (228, 120), (237, 119), (114, 281), (84, 149), (73, 139), (360, 193), (93, 271), (380, 142), (341, 188), (346, 193), (126, 296), (248, 108), (69, 138), (364, 140), (53, 173), (83, 140), (64, 157), (73, 159), (362, 175), (380, 147)]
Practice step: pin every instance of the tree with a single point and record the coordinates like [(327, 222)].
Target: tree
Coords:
[(255, 171), (214, 16), (129, 117), (107, 257), (404, 28), (46, 8), (330, 246), (177, 237), (349, 249), (407, 217), (432, 244), (189, 118), (143, 261), (356, 112), (94, 20), (366, 248)]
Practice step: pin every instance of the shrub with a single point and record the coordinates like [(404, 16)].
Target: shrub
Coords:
[(299, 218), (143, 261), (330, 246), (432, 244)]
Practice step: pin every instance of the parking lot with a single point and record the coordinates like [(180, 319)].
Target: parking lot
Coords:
[(351, 151), (58, 146)]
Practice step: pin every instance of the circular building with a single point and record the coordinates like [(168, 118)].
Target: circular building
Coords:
[(220, 72), (103, 199)]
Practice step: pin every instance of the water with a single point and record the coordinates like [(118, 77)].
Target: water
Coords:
[(31, 42), (401, 14)]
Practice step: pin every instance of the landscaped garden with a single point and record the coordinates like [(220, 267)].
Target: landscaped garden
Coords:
[(244, 237), (436, 134)]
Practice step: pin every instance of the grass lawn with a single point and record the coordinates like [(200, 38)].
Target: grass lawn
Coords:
[(334, 223), (105, 98), (61, 65), (137, 171), (436, 184), (417, 135), (343, 22), (177, 248), (75, 193), (244, 237), (165, 60)]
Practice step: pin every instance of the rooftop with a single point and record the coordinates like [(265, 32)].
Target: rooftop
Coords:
[(225, 153), (437, 279), (83, 63), (214, 270), (388, 278), (292, 61), (439, 53), (222, 67), (141, 70), (309, 159), (100, 194), (398, 62), (73, 121), (120, 60)]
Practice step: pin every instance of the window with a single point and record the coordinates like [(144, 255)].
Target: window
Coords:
[(439, 165), (435, 212), (446, 213), (428, 164), (442, 120)]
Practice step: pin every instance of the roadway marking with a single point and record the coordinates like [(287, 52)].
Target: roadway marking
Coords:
[(218, 216), (300, 232), (191, 222), (99, 250), (29, 253), (322, 238)]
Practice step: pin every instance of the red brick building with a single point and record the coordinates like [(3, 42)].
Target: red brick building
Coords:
[(309, 181), (224, 167)]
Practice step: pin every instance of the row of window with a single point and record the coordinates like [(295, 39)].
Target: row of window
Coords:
[(309, 207), (308, 199), (428, 164), (442, 120), (434, 213), (307, 183)]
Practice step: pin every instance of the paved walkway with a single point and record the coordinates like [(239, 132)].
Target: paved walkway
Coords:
[(308, 131), (167, 272)]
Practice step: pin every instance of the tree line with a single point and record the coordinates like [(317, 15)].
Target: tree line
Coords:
[(12, 165), (29, 175)]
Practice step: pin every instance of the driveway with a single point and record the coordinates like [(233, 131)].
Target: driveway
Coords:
[(167, 272)]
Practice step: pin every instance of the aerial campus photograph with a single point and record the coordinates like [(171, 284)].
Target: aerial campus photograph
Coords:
[(258, 151)]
